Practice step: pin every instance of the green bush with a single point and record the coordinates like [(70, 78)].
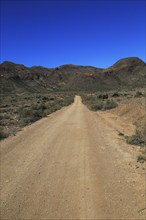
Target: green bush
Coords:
[(45, 98), (52, 99), (32, 114), (42, 107), (109, 105), (1, 117), (25, 112), (137, 139), (33, 107), (97, 106), (121, 134), (99, 103), (116, 94), (39, 114), (4, 116), (24, 121), (103, 96), (138, 94), (2, 134), (141, 158)]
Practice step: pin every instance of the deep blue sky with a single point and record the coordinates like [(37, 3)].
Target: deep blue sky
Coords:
[(52, 33)]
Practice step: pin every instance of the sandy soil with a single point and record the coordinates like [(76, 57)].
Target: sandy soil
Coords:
[(71, 165)]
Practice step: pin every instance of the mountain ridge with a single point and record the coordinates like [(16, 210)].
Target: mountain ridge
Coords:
[(125, 73)]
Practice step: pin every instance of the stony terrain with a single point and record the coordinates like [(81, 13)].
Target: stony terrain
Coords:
[(126, 73)]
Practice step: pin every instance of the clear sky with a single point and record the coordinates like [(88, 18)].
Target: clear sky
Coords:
[(52, 33)]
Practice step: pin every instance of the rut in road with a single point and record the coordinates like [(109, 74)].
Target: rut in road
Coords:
[(68, 166)]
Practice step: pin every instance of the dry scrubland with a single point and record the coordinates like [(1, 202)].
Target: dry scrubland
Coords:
[(76, 164), (19, 110), (125, 110), (85, 161)]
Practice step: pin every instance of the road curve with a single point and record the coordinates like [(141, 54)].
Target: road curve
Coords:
[(69, 166)]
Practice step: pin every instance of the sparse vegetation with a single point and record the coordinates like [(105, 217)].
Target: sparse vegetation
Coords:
[(138, 94), (3, 134), (139, 139), (103, 96), (136, 139), (121, 134), (115, 94), (141, 158), (109, 104), (19, 110), (100, 102)]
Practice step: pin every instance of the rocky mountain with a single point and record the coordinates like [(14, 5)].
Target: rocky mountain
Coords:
[(126, 73)]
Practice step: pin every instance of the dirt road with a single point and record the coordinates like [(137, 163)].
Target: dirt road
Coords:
[(70, 165)]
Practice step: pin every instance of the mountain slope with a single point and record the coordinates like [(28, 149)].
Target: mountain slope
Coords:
[(128, 72)]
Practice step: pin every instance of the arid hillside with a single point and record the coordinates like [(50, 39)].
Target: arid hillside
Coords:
[(126, 73)]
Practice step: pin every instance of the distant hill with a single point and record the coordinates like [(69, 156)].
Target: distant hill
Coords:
[(126, 73)]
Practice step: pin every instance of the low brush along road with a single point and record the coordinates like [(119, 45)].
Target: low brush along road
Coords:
[(69, 166)]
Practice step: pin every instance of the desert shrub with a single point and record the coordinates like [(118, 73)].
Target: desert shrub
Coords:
[(28, 108), (100, 96), (13, 99), (136, 139), (138, 94), (116, 94), (3, 134), (121, 134), (4, 105), (1, 116), (125, 94), (40, 110), (4, 116), (38, 96), (26, 105), (38, 114), (109, 105), (25, 112), (98, 105), (27, 97), (32, 117), (141, 158), (65, 100), (104, 96), (24, 121), (45, 98), (35, 107), (32, 114), (41, 106)]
